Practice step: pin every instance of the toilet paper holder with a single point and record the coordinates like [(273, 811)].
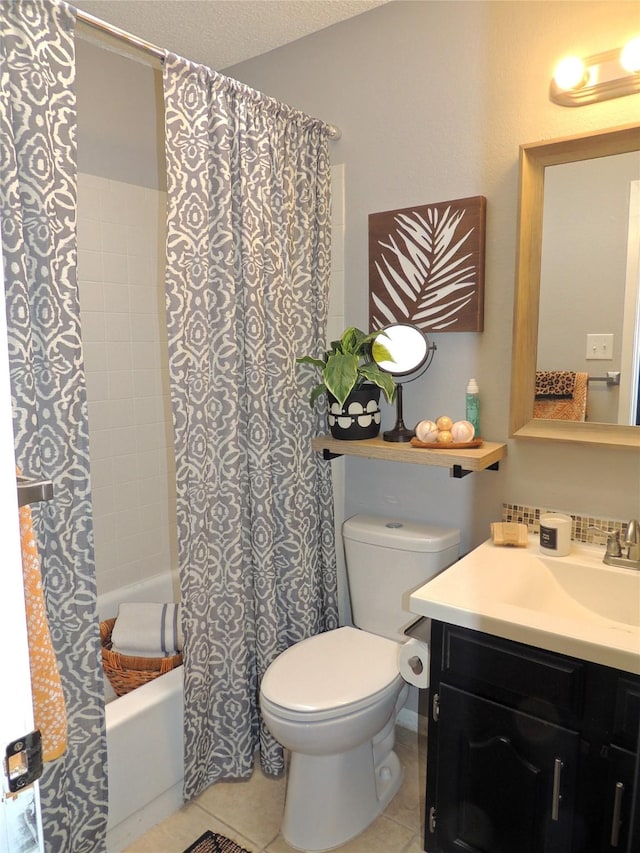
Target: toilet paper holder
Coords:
[(420, 629), (413, 660)]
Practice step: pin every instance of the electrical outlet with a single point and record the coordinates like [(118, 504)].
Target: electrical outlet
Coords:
[(599, 347)]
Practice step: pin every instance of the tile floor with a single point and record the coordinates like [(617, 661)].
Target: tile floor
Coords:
[(249, 813)]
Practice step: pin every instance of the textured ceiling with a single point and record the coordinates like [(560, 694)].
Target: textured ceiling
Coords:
[(220, 33)]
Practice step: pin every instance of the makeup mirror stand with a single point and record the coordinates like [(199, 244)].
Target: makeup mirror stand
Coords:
[(412, 355)]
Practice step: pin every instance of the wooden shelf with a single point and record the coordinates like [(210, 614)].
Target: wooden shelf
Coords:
[(461, 462)]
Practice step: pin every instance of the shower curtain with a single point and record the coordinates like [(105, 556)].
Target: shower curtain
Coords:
[(38, 210), (247, 282)]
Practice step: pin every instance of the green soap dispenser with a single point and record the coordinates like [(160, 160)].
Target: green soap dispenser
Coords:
[(473, 406)]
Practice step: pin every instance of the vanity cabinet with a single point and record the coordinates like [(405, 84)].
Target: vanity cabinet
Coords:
[(529, 751)]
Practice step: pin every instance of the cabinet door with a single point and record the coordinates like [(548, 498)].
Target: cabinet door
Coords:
[(618, 800), (505, 780)]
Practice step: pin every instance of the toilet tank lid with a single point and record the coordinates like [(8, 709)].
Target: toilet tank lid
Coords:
[(400, 534)]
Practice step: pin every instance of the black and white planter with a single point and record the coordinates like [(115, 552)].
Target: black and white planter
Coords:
[(359, 417)]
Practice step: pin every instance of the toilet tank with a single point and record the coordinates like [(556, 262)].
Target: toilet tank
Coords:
[(387, 559)]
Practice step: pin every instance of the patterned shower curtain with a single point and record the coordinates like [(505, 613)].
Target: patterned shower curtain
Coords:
[(247, 281), (38, 210)]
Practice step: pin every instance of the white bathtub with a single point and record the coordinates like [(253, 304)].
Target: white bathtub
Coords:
[(144, 738)]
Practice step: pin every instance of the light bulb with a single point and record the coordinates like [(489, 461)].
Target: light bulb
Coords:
[(630, 56), (570, 73)]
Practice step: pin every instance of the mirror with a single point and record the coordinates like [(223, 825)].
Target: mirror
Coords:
[(412, 354), (531, 299)]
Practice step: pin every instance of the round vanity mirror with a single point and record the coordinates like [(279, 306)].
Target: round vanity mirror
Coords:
[(411, 355), (406, 344)]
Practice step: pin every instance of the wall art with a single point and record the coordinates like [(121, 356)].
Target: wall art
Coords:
[(426, 266)]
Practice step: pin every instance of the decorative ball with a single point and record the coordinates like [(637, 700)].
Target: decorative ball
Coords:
[(462, 431), (445, 437), (426, 431), (444, 422)]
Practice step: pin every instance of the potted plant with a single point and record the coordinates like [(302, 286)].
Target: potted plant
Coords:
[(353, 382)]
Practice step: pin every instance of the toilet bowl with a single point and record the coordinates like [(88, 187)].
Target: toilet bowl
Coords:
[(332, 700)]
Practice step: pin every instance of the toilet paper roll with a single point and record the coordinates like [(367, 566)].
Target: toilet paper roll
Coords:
[(413, 662)]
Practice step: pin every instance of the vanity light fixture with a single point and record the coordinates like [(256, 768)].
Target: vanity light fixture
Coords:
[(611, 74)]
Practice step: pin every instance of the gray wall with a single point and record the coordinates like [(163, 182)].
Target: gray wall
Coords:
[(120, 114), (434, 99)]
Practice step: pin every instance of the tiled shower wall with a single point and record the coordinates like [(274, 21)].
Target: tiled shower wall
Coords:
[(121, 285)]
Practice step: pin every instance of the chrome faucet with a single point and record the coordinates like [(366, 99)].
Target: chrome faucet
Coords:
[(625, 554)]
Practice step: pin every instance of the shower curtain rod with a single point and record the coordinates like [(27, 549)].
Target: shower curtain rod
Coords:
[(334, 132), (123, 35)]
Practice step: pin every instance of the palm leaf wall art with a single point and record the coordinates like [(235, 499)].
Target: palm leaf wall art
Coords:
[(426, 266)]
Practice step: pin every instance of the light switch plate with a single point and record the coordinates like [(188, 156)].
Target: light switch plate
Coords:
[(599, 347)]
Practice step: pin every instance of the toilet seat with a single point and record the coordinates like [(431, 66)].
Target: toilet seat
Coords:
[(331, 674)]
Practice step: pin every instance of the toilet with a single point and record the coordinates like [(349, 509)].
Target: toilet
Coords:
[(332, 700)]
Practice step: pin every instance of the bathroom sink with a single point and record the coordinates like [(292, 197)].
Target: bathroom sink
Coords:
[(574, 605), (552, 585)]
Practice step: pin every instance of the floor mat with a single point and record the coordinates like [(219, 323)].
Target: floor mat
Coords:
[(213, 842)]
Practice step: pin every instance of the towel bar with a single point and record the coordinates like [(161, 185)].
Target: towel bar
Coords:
[(612, 378), (33, 491)]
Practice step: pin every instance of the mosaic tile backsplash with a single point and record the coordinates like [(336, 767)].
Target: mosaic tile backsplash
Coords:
[(581, 526)]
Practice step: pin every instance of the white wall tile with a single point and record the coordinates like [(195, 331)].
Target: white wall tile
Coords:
[(117, 327), (89, 235), (144, 354), (97, 386), (127, 523), (123, 441), (100, 444), (95, 352), (144, 299), (121, 413), (99, 413), (89, 265), (120, 384), (93, 326), (141, 269), (116, 298), (337, 247), (114, 238), (119, 356), (336, 295), (115, 268), (91, 295), (102, 471), (145, 327)]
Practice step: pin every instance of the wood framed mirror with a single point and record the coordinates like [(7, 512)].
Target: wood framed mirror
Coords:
[(534, 160)]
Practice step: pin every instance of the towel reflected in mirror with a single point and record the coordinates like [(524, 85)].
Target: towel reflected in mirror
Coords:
[(561, 395)]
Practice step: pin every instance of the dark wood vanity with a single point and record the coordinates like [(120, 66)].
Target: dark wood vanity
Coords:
[(529, 751)]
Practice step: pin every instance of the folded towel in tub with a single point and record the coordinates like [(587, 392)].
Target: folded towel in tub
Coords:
[(147, 629)]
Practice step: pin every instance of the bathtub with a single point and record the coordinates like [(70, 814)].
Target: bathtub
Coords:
[(144, 737)]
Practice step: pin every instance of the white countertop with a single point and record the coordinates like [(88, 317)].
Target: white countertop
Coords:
[(573, 605)]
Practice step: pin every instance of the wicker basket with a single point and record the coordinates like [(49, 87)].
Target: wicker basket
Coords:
[(126, 672)]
